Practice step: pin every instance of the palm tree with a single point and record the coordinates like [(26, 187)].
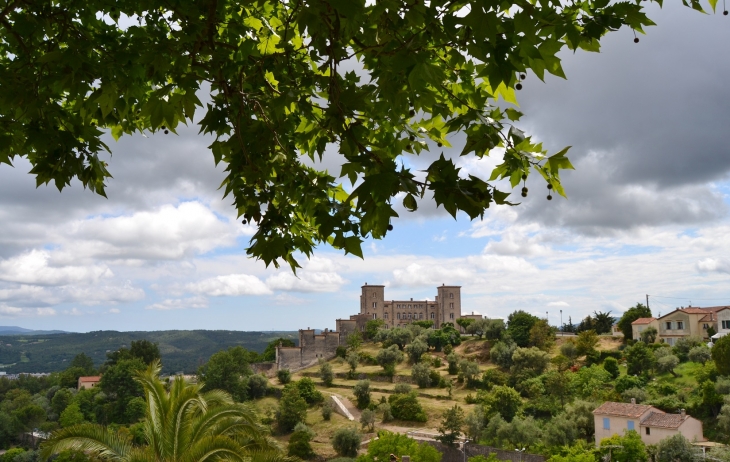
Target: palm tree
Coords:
[(182, 425)]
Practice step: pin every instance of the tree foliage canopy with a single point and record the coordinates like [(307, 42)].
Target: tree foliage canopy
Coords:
[(631, 315), (281, 82)]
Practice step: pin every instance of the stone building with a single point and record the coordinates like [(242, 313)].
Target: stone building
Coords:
[(313, 347), (446, 307)]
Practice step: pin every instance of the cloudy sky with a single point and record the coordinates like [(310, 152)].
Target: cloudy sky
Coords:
[(647, 214)]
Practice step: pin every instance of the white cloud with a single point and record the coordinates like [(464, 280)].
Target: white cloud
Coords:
[(716, 265), (306, 281), (114, 311), (14, 311), (73, 312), (179, 304), (230, 285), (36, 267), (431, 275), (167, 233), (559, 304)]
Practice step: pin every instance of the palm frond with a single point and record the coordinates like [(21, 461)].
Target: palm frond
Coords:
[(213, 449), (208, 423), (88, 437)]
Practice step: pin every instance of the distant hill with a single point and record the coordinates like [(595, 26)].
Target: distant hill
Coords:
[(15, 330), (181, 350)]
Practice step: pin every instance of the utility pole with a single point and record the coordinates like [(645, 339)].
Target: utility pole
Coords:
[(647, 300), (561, 324)]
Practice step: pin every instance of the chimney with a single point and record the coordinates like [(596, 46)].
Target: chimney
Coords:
[(682, 413), (633, 400)]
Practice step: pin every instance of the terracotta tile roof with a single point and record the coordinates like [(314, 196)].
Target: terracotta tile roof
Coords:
[(94, 378), (697, 310), (623, 409), (662, 420), (643, 321)]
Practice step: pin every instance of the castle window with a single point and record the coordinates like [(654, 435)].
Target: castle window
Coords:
[(433, 315), (451, 315), (398, 314), (410, 307), (420, 316), (409, 315), (375, 316), (385, 315), (375, 304), (451, 295), (451, 305)]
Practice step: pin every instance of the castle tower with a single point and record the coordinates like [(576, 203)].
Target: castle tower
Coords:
[(372, 301), (449, 304)]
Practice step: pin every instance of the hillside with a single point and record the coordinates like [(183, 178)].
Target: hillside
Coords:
[(181, 350), (15, 330)]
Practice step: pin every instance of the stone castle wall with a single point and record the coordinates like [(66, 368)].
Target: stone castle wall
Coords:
[(315, 347), (312, 347)]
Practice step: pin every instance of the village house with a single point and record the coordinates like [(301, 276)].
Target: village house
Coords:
[(652, 424), (88, 382), (688, 322), (641, 324), (723, 322)]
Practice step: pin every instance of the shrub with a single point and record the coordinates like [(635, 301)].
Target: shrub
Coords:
[(700, 354), (436, 379), (436, 362), (569, 350), (327, 411), (362, 393), (453, 361), (341, 352), (501, 354), (395, 443), (402, 388), (676, 447), (11, 454), (388, 357), (492, 377), (470, 371), (325, 372), (626, 382), (421, 374), (683, 346), (407, 407), (415, 350), (387, 414), (257, 386), (611, 366), (346, 441), (299, 442), (639, 359), (367, 420), (292, 409), (450, 429), (529, 362), (636, 393), (284, 376), (504, 400), (308, 391)]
